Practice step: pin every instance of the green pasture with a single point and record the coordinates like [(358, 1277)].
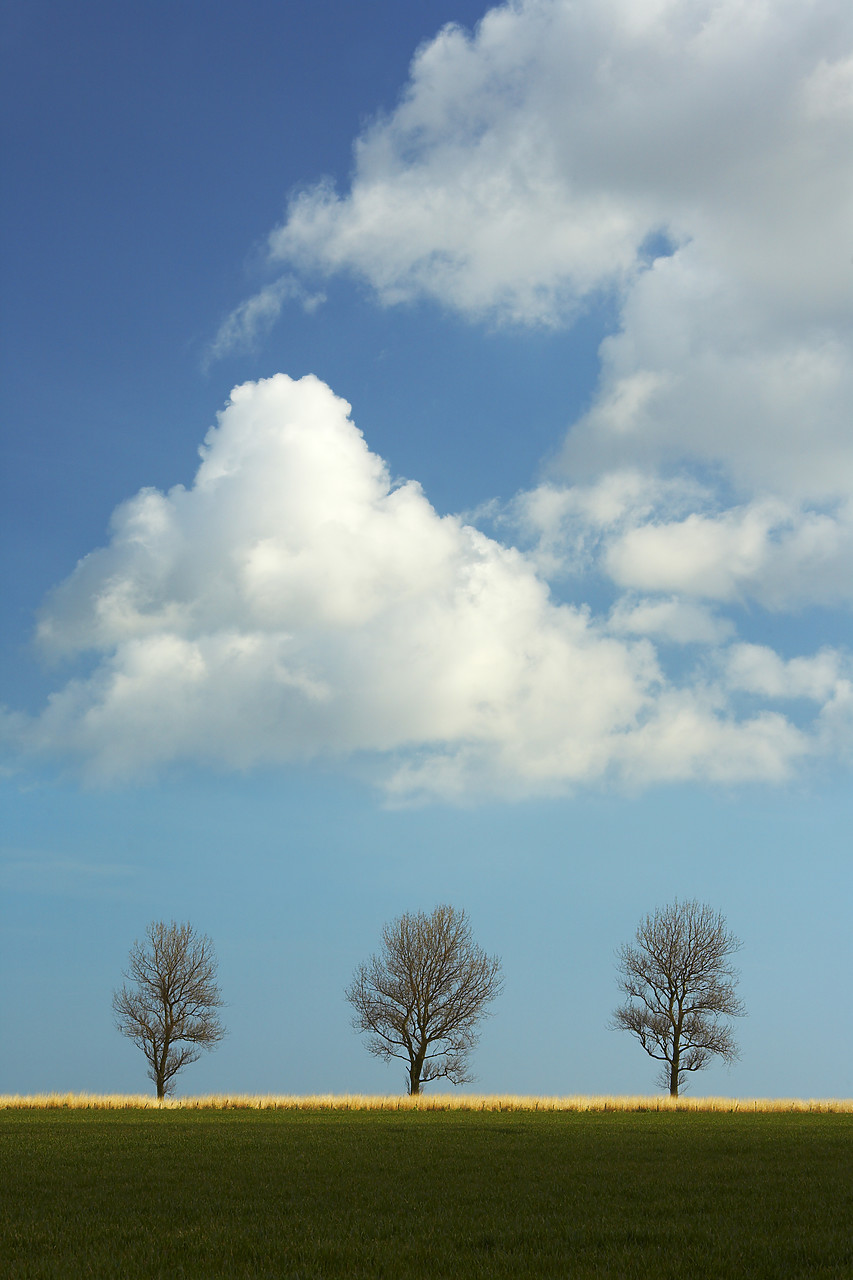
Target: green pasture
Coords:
[(425, 1194)]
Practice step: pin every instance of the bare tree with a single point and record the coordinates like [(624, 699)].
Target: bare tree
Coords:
[(421, 997), (169, 1011), (679, 985)]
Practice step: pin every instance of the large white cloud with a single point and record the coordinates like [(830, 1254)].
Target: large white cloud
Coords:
[(549, 155), (294, 603), (526, 164)]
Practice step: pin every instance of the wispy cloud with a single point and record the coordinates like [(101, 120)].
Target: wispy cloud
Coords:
[(253, 319)]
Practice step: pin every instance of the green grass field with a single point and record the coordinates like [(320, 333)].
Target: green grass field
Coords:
[(128, 1193)]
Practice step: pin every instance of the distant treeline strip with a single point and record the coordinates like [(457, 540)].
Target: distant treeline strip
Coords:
[(403, 1102)]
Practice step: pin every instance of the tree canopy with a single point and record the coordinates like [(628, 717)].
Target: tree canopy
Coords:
[(679, 986), (167, 1005), (422, 995)]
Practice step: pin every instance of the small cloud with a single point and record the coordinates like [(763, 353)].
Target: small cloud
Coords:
[(254, 318), (779, 554), (759, 670), (312, 302), (673, 620)]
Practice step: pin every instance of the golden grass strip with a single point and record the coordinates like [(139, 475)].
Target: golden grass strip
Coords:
[(425, 1102)]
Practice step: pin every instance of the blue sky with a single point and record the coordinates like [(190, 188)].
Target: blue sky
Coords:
[(552, 623)]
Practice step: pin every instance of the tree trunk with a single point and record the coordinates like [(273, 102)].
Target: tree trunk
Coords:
[(159, 1065), (417, 1066), (414, 1079), (674, 1069)]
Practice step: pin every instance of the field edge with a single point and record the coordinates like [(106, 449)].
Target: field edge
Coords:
[(431, 1102)]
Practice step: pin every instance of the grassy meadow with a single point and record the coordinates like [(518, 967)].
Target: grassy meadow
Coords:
[(438, 1186)]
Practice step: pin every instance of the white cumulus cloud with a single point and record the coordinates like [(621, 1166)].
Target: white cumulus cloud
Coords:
[(294, 603)]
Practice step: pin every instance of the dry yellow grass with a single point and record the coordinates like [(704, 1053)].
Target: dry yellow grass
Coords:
[(426, 1102)]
